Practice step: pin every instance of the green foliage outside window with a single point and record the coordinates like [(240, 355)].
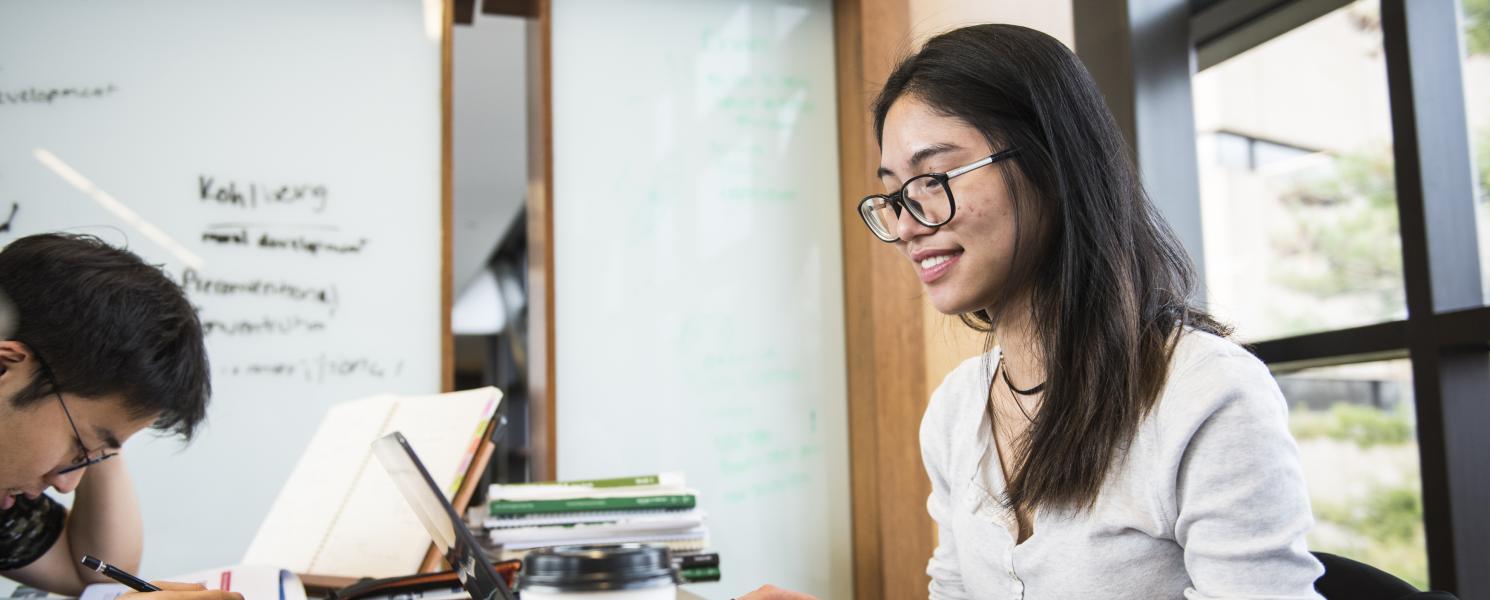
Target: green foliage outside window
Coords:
[(1388, 528), (1346, 242), (1365, 426), (1477, 26), (1482, 150), (1384, 526)]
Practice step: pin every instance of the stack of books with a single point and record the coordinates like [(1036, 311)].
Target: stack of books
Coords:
[(650, 509)]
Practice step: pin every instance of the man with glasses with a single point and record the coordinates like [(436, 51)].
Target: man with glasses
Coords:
[(100, 346)]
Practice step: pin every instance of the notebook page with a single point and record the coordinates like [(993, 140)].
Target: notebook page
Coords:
[(376, 533), (301, 516)]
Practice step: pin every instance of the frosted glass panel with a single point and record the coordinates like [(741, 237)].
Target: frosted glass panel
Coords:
[(698, 283)]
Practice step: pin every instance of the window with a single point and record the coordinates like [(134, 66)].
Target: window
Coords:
[(1358, 442), (1298, 123), (1476, 21), (1298, 197)]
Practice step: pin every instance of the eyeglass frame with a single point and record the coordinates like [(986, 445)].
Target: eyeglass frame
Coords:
[(88, 459), (897, 199)]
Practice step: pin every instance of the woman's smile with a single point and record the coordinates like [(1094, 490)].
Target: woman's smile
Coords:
[(932, 265)]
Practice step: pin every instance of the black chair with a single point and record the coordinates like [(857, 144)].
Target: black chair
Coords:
[(1346, 579)]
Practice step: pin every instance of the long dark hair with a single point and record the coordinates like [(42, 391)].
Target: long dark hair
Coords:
[(1108, 283)]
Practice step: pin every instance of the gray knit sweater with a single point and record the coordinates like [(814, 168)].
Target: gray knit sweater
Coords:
[(1208, 502)]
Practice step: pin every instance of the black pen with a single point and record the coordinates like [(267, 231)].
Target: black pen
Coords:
[(119, 575)]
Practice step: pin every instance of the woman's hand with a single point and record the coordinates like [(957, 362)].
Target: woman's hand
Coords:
[(771, 592), (171, 590)]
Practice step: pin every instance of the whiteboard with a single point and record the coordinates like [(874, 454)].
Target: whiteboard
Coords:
[(282, 158), (697, 278)]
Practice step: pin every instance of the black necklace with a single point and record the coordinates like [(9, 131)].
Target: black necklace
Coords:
[(1004, 368)]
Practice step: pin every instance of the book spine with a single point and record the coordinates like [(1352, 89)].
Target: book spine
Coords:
[(699, 574), (693, 561), (613, 482), (510, 507)]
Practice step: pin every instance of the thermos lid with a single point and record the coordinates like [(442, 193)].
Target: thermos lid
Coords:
[(597, 568)]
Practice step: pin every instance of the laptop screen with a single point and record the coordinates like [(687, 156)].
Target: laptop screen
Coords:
[(445, 527)]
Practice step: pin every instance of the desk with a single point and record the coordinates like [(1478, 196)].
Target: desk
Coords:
[(321, 586)]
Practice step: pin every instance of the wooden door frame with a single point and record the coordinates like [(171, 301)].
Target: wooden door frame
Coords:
[(884, 327)]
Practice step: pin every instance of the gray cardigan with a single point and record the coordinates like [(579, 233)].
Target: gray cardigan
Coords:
[(1209, 501)]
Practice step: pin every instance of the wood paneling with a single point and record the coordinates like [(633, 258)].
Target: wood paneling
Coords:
[(447, 339), (447, 296), (887, 386), (543, 441)]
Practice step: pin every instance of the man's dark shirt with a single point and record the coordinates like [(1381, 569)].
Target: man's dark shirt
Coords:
[(28, 530)]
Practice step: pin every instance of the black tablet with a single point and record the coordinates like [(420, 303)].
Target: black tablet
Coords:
[(446, 528)]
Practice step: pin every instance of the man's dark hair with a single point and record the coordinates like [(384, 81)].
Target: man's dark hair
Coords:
[(104, 322)]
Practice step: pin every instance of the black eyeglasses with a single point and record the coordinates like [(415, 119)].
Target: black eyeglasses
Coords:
[(85, 457), (928, 198)]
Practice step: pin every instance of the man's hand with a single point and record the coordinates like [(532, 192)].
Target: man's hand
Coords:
[(171, 590), (104, 521), (771, 592)]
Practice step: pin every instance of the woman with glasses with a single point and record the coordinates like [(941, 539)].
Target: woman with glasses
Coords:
[(1111, 443)]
